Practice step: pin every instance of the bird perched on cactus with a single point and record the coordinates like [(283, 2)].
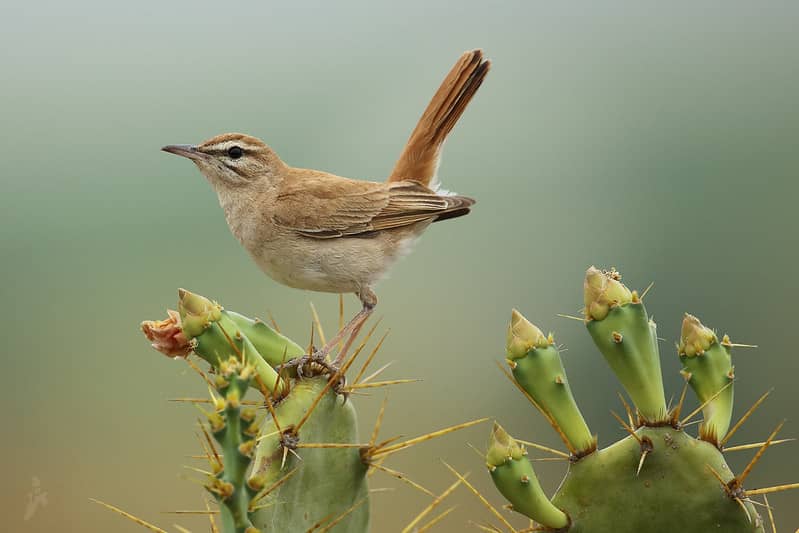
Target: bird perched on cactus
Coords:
[(313, 230)]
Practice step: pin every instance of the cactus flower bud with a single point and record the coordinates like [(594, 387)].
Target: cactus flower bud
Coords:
[(695, 338), (602, 291), (523, 336), (196, 312), (501, 447)]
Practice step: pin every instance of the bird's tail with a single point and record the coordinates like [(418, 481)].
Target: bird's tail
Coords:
[(419, 160)]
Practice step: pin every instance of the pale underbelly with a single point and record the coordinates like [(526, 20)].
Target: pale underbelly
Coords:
[(340, 265)]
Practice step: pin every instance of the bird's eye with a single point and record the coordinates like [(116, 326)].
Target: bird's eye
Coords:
[(234, 152)]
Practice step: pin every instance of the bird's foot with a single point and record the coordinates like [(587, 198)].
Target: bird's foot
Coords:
[(316, 364)]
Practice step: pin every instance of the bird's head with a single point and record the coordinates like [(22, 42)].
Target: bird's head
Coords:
[(232, 160)]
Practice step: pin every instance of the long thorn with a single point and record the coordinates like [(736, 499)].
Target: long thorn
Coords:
[(379, 384), (770, 515), (704, 404), (769, 490), (745, 416), (378, 422), (214, 528), (268, 490), (482, 499), (374, 351), (197, 369), (740, 478), (343, 515), (422, 438), (542, 448), (675, 415), (742, 447), (552, 421), (402, 477), (273, 321), (435, 520), (129, 516), (646, 291), (627, 428), (318, 323), (627, 409), (427, 510)]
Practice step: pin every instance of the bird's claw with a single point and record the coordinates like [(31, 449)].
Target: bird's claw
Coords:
[(315, 361)]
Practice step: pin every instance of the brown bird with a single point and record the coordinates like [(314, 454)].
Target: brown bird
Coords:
[(313, 230)]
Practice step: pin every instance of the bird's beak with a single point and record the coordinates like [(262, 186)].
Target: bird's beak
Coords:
[(185, 150)]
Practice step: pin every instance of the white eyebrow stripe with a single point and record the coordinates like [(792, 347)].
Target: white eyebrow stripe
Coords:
[(226, 145)]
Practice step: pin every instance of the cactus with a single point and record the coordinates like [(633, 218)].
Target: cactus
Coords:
[(657, 478), (300, 466)]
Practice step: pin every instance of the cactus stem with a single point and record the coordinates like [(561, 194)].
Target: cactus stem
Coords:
[(742, 447), (541, 447), (739, 479), (745, 416), (552, 421), (129, 516), (704, 404), (493, 510)]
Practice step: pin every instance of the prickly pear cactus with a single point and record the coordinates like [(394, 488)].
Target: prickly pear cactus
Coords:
[(290, 460), (657, 479)]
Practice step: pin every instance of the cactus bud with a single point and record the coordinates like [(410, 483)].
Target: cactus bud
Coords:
[(502, 447), (695, 338), (708, 367), (523, 336), (602, 291), (196, 312)]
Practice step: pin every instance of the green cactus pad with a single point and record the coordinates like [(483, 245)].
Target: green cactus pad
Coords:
[(275, 348), (537, 367), (628, 341), (674, 491), (513, 474), (328, 481), (707, 366)]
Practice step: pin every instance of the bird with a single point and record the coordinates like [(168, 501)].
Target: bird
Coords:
[(317, 231)]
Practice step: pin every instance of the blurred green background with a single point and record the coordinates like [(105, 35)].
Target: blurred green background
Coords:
[(658, 139)]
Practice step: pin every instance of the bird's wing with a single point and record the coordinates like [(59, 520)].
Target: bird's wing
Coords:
[(329, 207)]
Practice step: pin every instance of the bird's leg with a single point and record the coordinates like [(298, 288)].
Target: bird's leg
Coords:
[(319, 357)]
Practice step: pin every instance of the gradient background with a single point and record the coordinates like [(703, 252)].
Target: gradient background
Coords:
[(661, 140)]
